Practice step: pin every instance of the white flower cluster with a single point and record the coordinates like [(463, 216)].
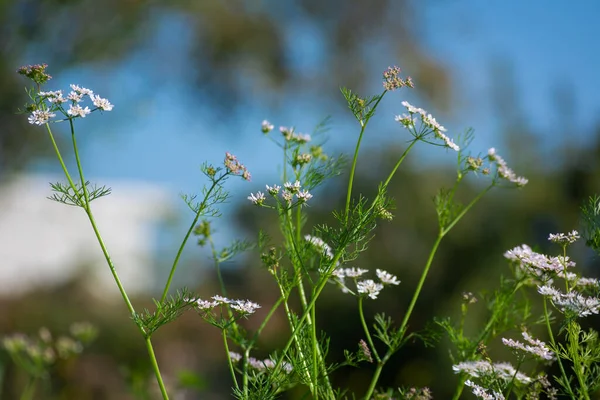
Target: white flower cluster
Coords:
[(245, 307), (539, 264), (56, 101), (567, 238), (320, 245), (483, 368), (261, 365), (290, 136), (366, 287), (572, 301), (289, 191), (483, 393), (535, 347), (409, 121), (503, 171)]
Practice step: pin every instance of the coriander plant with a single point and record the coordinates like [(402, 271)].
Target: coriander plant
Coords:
[(305, 261)]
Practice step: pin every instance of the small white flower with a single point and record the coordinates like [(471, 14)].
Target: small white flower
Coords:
[(386, 278), (206, 305), (287, 196), (244, 306), (75, 97), (40, 117), (292, 187), (273, 190), (53, 96), (286, 132), (304, 196), (235, 357), (535, 347), (221, 300), (76, 110), (320, 245), (82, 90), (568, 238), (258, 198), (369, 287), (266, 126), (353, 272), (503, 171), (300, 137), (101, 103)]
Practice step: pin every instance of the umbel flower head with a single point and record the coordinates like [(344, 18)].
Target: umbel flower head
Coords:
[(48, 104)]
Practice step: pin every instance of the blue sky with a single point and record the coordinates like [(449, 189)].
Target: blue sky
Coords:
[(159, 131)]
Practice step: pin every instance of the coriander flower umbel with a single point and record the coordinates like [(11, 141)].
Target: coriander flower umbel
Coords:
[(257, 199), (427, 121), (484, 368), (292, 187), (100, 103), (503, 171), (266, 126), (40, 117), (244, 306), (273, 190), (349, 272), (567, 238), (572, 301), (386, 278), (304, 196), (320, 245), (369, 287), (535, 347), (482, 393), (75, 110)]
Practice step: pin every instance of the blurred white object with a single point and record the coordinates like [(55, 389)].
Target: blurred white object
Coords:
[(43, 242)]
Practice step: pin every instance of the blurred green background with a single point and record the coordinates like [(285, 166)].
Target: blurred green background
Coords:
[(193, 79)]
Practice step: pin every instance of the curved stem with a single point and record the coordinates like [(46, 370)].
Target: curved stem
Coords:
[(90, 215), (363, 126), (391, 175), (201, 208)]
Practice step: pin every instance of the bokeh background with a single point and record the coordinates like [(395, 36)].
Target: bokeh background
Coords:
[(193, 79)]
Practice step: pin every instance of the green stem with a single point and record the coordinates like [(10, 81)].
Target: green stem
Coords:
[(201, 208), (391, 175), (29, 390), (420, 284), (224, 331), (90, 215), (363, 126), (161, 384), (558, 358), (366, 329)]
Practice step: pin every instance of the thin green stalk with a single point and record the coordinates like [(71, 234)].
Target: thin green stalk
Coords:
[(224, 331), (90, 215), (352, 171), (558, 358), (366, 329), (187, 236), (363, 126), (420, 284), (161, 384), (391, 175), (29, 390)]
